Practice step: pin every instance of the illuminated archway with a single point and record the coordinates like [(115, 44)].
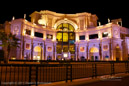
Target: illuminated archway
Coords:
[(94, 54), (37, 53), (118, 53), (66, 21), (66, 39), (94, 50)]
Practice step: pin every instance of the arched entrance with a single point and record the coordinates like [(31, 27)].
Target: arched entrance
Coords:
[(37, 53), (94, 54), (118, 53), (66, 38), (83, 58)]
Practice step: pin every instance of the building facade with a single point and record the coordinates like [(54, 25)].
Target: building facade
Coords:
[(57, 36)]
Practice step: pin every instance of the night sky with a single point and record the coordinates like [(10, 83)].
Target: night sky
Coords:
[(103, 12)]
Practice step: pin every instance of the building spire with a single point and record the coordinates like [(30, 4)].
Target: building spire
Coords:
[(109, 20), (24, 16), (13, 18), (99, 23)]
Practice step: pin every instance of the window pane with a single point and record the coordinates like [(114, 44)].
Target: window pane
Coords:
[(37, 34), (72, 49), (28, 32), (65, 25), (67, 31), (59, 37), (65, 48), (49, 36), (59, 27), (71, 28), (105, 34), (65, 37), (82, 37), (93, 36), (58, 49), (71, 41), (71, 36)]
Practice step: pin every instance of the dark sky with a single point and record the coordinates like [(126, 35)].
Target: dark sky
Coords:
[(103, 12)]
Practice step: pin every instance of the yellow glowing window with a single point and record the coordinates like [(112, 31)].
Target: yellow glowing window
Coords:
[(65, 37), (65, 25), (71, 36), (59, 27), (59, 36), (71, 28)]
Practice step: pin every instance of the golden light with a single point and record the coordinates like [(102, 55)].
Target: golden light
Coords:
[(24, 32), (100, 36), (34, 57), (32, 33), (54, 39), (38, 57), (65, 19), (65, 55), (87, 38), (94, 50), (77, 37), (41, 21), (13, 58), (37, 49)]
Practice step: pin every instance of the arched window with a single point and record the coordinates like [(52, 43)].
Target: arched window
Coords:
[(37, 53), (94, 50), (66, 38)]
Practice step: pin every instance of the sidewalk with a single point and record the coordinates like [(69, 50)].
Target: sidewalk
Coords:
[(85, 81)]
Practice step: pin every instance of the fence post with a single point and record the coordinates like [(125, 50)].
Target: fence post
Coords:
[(126, 66), (37, 76), (68, 72), (29, 75), (0, 76), (112, 68), (71, 72), (94, 70)]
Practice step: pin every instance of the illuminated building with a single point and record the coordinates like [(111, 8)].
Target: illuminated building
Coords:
[(57, 36)]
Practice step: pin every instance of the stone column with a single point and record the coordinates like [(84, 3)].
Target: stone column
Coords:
[(55, 52), (23, 47), (32, 49), (87, 51), (44, 51), (76, 52)]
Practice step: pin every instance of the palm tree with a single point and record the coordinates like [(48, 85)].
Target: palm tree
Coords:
[(8, 41)]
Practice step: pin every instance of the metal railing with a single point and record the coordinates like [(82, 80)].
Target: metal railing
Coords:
[(34, 74)]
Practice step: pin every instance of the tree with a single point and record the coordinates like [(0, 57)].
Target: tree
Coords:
[(8, 41)]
